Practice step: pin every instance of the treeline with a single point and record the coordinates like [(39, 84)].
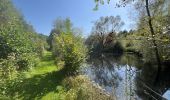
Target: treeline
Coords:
[(20, 46), (150, 39)]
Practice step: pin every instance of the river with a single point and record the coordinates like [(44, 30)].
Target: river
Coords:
[(128, 77)]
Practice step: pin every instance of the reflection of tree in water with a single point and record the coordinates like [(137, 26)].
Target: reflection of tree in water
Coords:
[(104, 70), (129, 82), (130, 64), (147, 88), (116, 72), (131, 78)]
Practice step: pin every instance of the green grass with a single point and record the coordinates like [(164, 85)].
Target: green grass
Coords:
[(49, 82), (42, 82), (43, 68)]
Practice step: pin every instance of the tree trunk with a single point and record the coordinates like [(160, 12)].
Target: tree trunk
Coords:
[(153, 40)]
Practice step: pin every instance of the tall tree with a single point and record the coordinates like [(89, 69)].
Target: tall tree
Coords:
[(59, 26), (151, 9), (151, 6), (106, 27)]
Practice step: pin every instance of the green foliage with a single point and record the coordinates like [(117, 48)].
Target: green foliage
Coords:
[(7, 68), (118, 48), (103, 36), (161, 37), (19, 45), (70, 49), (5, 48), (60, 26), (151, 40), (67, 46), (17, 38), (46, 81), (43, 39), (96, 47), (80, 88), (10, 85)]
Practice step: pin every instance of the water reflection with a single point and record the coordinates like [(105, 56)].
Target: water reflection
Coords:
[(147, 88), (128, 77)]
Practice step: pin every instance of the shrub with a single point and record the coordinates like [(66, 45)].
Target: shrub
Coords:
[(81, 88), (70, 49), (27, 61)]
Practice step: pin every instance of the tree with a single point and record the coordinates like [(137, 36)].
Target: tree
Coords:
[(59, 26), (67, 45), (18, 38), (19, 45), (153, 8), (104, 32), (156, 5)]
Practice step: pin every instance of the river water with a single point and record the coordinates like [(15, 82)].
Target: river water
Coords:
[(128, 78)]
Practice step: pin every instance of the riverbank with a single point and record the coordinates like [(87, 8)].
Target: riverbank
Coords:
[(49, 82)]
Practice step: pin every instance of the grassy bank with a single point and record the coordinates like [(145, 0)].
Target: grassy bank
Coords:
[(38, 82), (49, 82)]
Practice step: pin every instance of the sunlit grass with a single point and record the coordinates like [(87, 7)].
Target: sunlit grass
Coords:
[(43, 68), (46, 65), (41, 82), (50, 82)]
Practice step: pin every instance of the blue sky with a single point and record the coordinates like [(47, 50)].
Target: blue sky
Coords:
[(42, 13)]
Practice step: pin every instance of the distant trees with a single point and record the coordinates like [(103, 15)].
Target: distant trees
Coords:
[(41, 44), (59, 26), (153, 21), (103, 35)]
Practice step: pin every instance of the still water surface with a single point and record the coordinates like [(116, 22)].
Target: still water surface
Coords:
[(128, 78)]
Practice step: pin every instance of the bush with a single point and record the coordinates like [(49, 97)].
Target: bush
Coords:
[(71, 50), (115, 48), (118, 48), (7, 72), (81, 88), (129, 44), (27, 61)]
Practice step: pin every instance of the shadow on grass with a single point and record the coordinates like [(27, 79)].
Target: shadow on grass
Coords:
[(38, 86)]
